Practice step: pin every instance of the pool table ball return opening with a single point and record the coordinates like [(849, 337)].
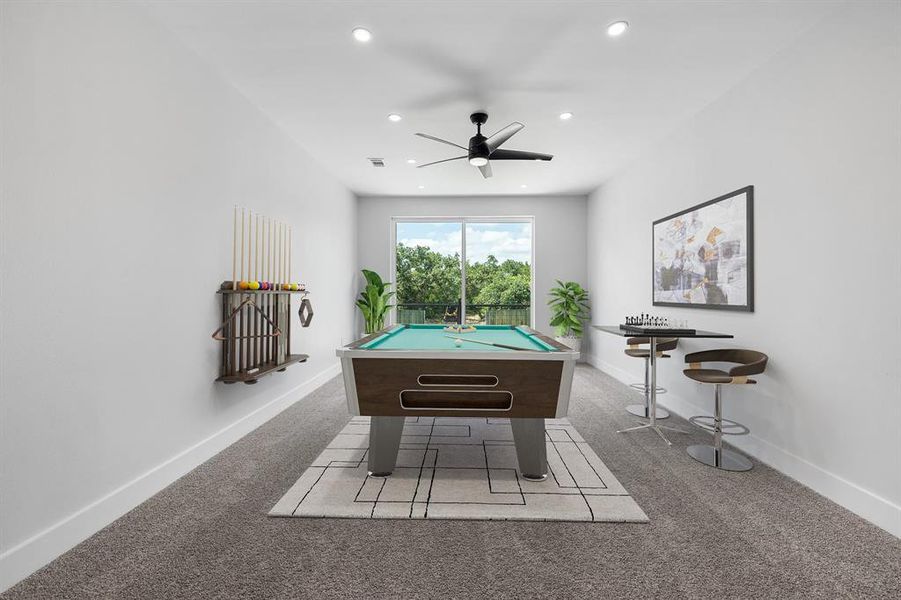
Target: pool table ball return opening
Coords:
[(422, 370)]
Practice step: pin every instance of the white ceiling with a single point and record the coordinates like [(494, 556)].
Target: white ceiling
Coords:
[(434, 62)]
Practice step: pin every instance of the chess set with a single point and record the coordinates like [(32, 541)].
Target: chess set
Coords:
[(653, 325)]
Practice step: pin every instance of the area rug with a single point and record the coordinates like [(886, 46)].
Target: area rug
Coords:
[(460, 468)]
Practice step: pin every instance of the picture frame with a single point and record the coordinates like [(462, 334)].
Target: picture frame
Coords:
[(703, 256)]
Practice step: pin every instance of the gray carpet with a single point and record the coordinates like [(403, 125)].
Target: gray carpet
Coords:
[(712, 534)]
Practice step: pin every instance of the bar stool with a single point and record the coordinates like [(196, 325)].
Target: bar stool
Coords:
[(750, 362), (663, 344)]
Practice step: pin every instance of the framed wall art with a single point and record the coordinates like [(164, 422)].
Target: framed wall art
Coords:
[(703, 256)]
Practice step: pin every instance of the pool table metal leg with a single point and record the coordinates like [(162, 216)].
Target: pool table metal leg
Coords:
[(384, 442), (531, 449)]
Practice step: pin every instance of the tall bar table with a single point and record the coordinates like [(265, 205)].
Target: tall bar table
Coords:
[(652, 337)]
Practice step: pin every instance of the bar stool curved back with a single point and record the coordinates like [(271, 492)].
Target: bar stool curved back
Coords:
[(749, 362), (636, 351)]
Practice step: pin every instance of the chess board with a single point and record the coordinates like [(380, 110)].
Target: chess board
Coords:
[(656, 330)]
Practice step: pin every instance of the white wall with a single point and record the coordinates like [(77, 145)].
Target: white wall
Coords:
[(559, 236), (816, 131), (122, 157)]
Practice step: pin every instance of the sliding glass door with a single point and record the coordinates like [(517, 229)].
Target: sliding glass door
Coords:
[(428, 271), (456, 270), (498, 273)]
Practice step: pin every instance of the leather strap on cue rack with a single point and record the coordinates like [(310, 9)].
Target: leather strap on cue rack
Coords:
[(217, 335)]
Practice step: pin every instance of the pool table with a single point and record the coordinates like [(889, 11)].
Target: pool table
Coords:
[(423, 370)]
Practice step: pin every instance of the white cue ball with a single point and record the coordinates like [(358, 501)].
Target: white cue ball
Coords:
[(458, 343)]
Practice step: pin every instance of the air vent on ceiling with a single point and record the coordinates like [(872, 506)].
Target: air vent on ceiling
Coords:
[(377, 162)]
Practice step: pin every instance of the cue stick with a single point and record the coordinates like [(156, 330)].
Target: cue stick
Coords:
[(257, 324), (290, 235), (242, 242), (282, 297), (269, 266), (240, 328), (271, 272), (488, 343), (250, 276), (259, 314), (247, 316), (250, 247), (267, 241), (235, 249), (231, 351), (281, 253), (278, 262), (261, 340)]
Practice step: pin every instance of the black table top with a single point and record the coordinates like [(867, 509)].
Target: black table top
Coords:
[(615, 330)]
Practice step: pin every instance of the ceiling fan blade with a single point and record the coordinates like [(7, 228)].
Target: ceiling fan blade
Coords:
[(441, 161), (495, 141), (432, 137), (486, 170), (519, 155)]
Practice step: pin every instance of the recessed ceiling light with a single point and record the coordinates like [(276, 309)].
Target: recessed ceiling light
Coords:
[(411, 161), (422, 187), (617, 28), (523, 186), (361, 34), (394, 118), (566, 116)]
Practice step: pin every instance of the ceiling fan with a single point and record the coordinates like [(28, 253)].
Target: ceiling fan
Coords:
[(482, 150)]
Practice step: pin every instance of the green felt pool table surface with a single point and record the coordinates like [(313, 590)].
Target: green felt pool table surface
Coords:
[(434, 337)]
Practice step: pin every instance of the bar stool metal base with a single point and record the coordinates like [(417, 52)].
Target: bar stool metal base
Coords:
[(644, 389), (640, 410), (657, 428), (728, 460)]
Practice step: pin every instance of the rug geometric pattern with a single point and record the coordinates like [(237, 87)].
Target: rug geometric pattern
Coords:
[(459, 468)]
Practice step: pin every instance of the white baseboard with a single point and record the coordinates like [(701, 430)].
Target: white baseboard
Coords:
[(26, 557), (875, 509)]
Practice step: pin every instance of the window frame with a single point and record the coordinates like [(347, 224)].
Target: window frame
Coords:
[(463, 221)]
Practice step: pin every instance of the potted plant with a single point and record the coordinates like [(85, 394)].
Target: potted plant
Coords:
[(569, 308), (373, 301)]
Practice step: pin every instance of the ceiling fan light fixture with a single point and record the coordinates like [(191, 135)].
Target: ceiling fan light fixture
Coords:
[(617, 28), (394, 117), (361, 34), (483, 150)]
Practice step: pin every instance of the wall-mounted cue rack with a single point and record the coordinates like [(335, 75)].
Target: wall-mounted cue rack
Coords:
[(256, 311)]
